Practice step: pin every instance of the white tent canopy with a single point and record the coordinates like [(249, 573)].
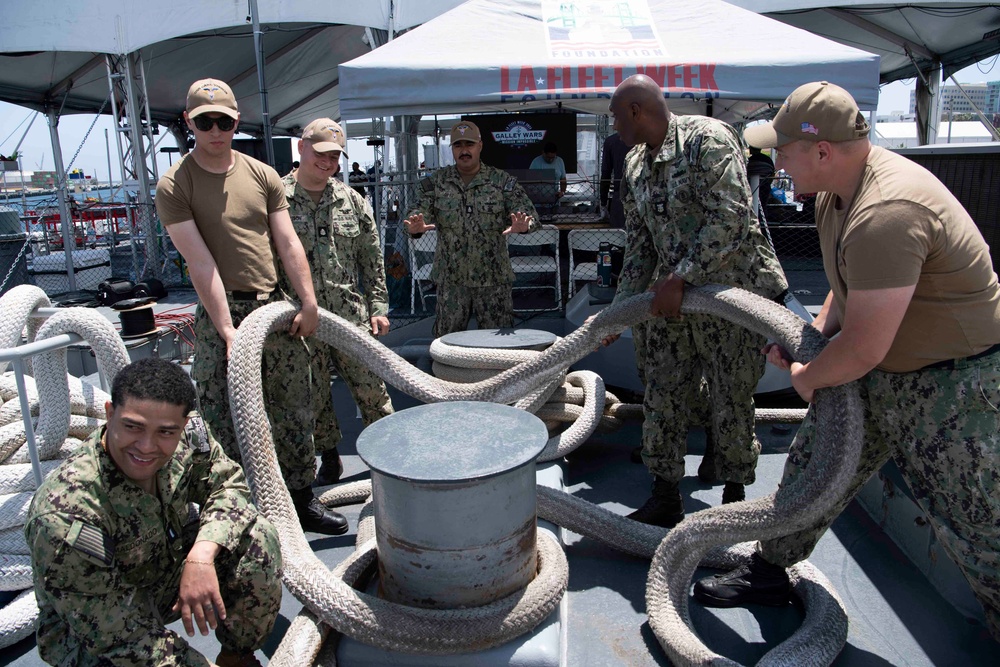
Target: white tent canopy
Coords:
[(52, 51), (124, 26), (507, 55), (910, 36)]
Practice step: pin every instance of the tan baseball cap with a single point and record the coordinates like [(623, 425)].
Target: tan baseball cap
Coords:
[(210, 95), (818, 111), (465, 130), (325, 135)]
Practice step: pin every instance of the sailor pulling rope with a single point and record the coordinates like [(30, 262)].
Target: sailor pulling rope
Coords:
[(330, 599)]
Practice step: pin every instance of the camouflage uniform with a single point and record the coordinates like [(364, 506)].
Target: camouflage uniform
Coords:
[(688, 212), (107, 556), (472, 267), (285, 376), (341, 242), (942, 428)]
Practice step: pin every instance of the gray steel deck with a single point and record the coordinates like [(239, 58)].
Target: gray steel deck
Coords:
[(896, 617)]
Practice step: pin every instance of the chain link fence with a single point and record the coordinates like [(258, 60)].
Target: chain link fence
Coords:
[(124, 241), (105, 241), (583, 225)]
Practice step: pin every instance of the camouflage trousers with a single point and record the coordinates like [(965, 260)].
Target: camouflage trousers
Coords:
[(942, 428), (366, 387), (250, 583), (701, 410), (493, 307), (287, 393), (250, 579), (699, 369)]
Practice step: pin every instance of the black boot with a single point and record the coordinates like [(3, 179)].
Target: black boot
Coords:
[(665, 508), (314, 516), (759, 582), (706, 471), (330, 468), (733, 492)]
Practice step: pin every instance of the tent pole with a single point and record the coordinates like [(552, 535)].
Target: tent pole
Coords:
[(258, 47), (979, 114), (69, 237)]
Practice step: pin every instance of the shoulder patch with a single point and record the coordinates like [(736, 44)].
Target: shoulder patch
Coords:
[(692, 151), (509, 184), (91, 541), (427, 185), (197, 434)]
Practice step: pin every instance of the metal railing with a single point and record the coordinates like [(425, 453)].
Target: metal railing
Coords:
[(109, 243), (17, 356)]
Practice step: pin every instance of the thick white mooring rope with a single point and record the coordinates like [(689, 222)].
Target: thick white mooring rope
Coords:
[(68, 410), (330, 598), (528, 384)]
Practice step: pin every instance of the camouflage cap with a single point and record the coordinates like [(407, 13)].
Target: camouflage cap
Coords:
[(465, 130), (818, 111), (325, 135), (208, 95)]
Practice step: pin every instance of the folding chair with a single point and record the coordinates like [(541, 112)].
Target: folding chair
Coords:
[(589, 240), (547, 236), (421, 263)]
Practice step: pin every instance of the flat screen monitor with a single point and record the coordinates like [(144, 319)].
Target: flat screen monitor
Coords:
[(512, 141), (255, 149)]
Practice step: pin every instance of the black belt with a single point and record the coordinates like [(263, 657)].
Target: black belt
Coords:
[(949, 364), (238, 295)]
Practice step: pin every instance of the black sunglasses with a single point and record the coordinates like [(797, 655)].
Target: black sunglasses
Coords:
[(205, 123)]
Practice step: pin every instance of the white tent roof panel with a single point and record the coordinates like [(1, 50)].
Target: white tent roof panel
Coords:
[(123, 26), (707, 51)]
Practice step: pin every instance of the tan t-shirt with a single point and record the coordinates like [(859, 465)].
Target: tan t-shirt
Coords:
[(905, 228), (231, 212)]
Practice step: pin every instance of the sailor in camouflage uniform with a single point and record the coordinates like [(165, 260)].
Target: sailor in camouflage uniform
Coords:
[(915, 307), (689, 215), (474, 207), (117, 553), (340, 238)]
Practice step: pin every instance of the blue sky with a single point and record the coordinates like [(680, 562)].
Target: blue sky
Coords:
[(37, 149)]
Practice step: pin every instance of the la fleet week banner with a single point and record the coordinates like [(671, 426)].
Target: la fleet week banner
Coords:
[(520, 55), (602, 31)]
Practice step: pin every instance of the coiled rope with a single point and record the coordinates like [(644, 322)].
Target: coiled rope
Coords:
[(67, 410), (331, 600)]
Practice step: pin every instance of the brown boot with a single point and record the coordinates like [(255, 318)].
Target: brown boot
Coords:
[(231, 659), (665, 508)]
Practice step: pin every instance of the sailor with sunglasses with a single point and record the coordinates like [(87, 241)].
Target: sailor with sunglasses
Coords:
[(227, 215)]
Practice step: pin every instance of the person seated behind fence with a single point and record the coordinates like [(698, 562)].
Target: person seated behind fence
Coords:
[(550, 161), (116, 554)]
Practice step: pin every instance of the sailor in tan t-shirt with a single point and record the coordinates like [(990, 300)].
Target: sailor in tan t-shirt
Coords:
[(227, 215), (915, 301)]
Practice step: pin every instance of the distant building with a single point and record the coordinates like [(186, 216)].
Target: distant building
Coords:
[(986, 96), (904, 134), (894, 117)]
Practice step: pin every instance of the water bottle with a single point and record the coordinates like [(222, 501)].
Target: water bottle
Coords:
[(604, 264)]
